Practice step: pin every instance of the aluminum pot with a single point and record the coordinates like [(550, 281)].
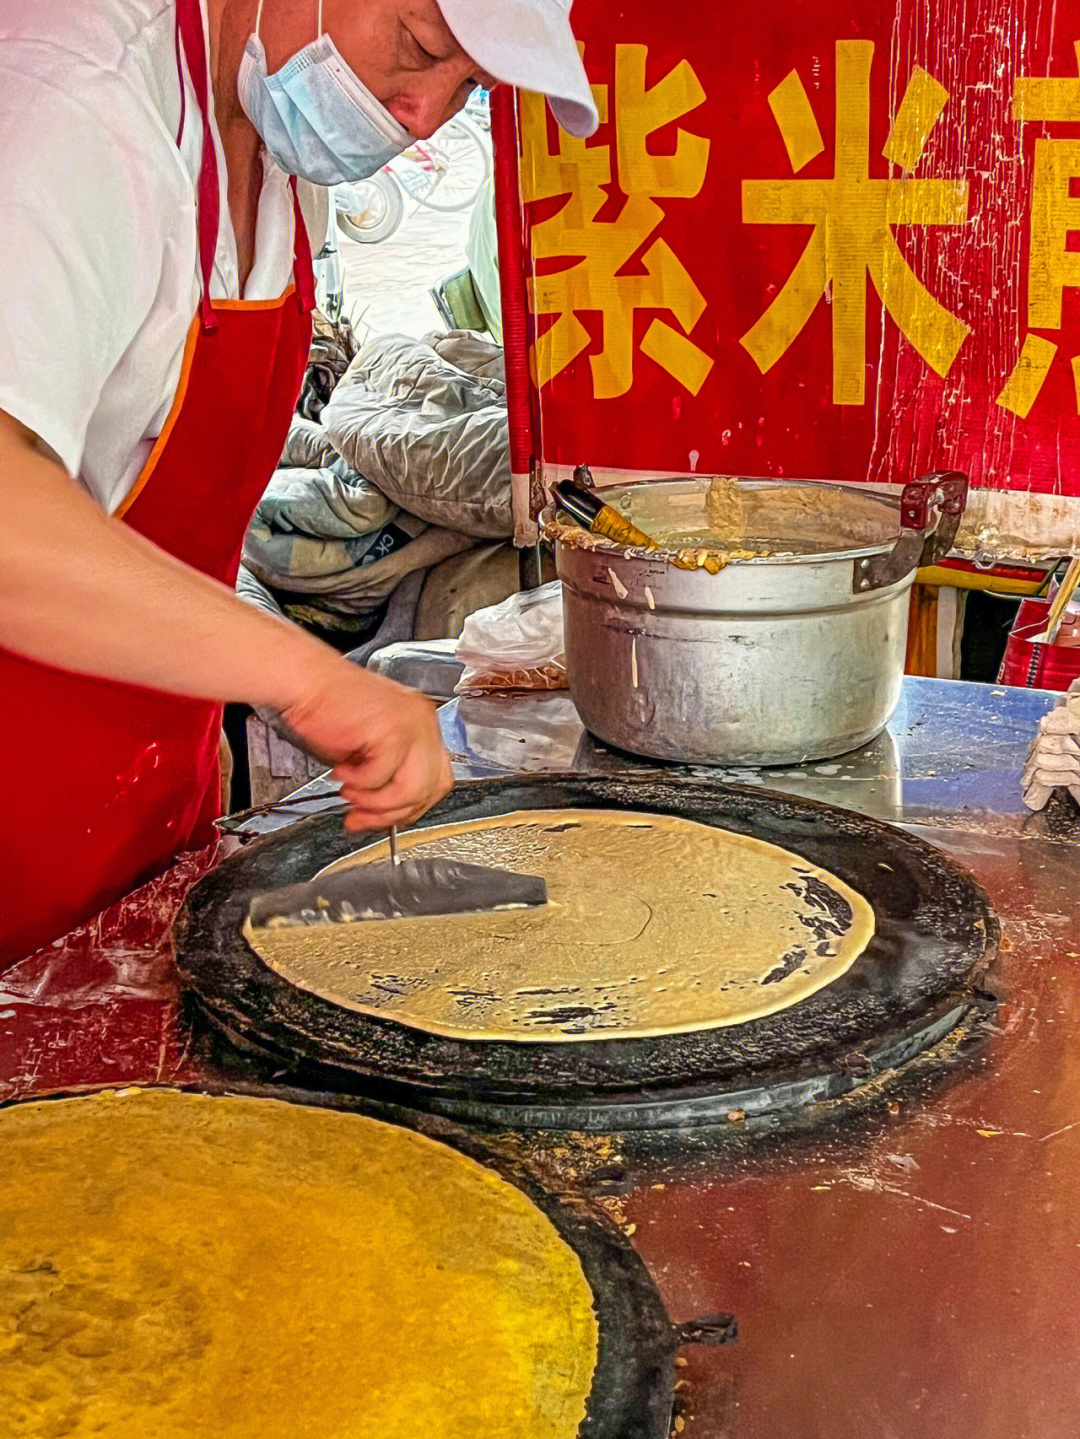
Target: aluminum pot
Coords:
[(794, 654)]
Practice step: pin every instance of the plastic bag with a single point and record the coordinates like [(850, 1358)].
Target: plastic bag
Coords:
[(515, 645)]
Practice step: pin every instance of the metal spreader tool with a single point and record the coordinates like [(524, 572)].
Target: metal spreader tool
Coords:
[(401, 887)]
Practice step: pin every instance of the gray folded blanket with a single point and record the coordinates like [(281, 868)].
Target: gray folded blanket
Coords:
[(429, 433), (407, 466)]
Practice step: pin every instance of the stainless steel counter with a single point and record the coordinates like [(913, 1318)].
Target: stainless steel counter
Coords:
[(950, 747)]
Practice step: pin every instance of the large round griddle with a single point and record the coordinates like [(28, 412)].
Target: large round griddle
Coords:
[(632, 1392), (935, 934)]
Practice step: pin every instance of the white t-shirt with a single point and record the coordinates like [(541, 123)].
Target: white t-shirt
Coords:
[(99, 275)]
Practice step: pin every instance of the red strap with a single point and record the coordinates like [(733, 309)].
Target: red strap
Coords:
[(189, 32), (513, 271), (183, 87), (302, 266), (190, 28)]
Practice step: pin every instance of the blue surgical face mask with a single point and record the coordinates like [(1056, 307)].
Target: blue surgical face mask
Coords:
[(317, 119)]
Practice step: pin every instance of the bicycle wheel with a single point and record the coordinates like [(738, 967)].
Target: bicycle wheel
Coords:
[(379, 213), (468, 170)]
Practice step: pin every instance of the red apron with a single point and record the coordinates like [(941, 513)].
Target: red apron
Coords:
[(105, 783)]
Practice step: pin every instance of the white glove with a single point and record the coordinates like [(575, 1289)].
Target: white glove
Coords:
[(1054, 758)]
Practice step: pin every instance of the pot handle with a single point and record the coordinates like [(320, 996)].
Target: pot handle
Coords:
[(930, 511)]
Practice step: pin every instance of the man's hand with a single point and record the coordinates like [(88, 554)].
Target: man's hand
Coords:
[(85, 592), (382, 740)]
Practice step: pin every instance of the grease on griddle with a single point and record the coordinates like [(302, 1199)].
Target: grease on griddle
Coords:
[(791, 961)]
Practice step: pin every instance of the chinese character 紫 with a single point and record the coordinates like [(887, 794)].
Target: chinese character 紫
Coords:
[(604, 248)]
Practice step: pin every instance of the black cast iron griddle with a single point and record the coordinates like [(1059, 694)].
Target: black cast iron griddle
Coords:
[(936, 934), (633, 1391)]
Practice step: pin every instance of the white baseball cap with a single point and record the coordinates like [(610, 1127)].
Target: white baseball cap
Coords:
[(528, 43)]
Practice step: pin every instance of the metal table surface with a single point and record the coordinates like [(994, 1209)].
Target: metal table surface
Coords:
[(905, 1269)]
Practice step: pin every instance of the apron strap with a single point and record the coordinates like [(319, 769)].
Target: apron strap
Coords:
[(189, 29), (303, 270), (189, 36), (180, 77)]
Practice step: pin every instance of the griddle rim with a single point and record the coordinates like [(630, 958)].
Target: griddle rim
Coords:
[(935, 937)]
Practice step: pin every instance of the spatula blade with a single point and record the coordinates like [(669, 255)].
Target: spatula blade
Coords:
[(410, 889)]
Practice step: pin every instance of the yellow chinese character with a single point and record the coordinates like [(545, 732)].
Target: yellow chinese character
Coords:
[(604, 247), (1052, 266), (854, 216)]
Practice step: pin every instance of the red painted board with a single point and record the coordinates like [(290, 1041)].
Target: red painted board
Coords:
[(814, 240)]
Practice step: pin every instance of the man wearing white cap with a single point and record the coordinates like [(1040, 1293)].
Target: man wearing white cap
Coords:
[(156, 283)]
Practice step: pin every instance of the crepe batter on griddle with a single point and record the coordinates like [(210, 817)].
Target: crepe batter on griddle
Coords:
[(656, 925), (176, 1266)]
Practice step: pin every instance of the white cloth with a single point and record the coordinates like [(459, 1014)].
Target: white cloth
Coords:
[(1054, 758), (98, 237)]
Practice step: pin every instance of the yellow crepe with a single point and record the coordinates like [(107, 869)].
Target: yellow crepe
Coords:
[(656, 925), (179, 1267)]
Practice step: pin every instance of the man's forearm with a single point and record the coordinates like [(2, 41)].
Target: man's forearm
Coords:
[(87, 593)]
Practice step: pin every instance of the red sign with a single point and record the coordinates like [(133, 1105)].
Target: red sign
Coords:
[(813, 242)]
